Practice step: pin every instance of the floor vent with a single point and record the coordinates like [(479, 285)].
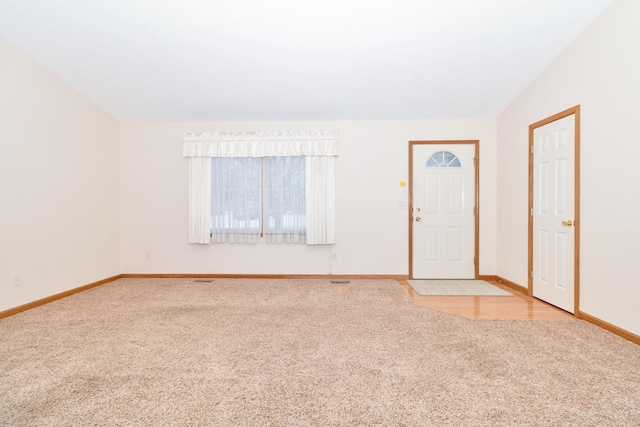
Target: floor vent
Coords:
[(203, 281), (341, 281)]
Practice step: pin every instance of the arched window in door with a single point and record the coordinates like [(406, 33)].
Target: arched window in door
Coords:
[(443, 159)]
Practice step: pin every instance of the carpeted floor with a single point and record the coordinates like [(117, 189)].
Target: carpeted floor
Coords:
[(457, 287), (237, 352)]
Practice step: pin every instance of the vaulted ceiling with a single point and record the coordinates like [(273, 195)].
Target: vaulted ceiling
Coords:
[(245, 60)]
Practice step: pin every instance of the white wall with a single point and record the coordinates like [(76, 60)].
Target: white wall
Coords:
[(601, 72), (59, 185), (372, 233)]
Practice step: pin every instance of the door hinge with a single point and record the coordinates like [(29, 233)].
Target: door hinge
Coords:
[(531, 274), (533, 150), (475, 210), (531, 211), (474, 161)]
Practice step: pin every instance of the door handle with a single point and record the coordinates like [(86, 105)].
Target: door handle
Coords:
[(567, 223), (418, 219)]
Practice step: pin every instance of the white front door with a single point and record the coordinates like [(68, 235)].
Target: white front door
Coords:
[(443, 211), (553, 212)]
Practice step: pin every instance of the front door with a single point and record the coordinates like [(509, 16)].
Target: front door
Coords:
[(443, 206), (553, 213)]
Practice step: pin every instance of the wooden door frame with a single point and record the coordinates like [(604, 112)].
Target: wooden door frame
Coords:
[(476, 144), (576, 254)]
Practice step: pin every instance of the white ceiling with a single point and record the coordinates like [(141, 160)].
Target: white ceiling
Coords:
[(245, 60)]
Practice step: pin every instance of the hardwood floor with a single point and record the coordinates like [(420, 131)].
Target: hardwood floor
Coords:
[(519, 306)]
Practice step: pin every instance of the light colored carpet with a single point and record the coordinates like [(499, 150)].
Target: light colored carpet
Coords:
[(457, 287), (158, 352)]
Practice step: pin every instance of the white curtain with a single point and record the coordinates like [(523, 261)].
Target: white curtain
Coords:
[(260, 144), (199, 200), (319, 148), (320, 200)]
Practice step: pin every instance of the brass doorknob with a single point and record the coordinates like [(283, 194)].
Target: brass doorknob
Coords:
[(418, 219), (567, 223)]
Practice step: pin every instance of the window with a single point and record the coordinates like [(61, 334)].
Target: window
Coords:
[(443, 159), (258, 197), (278, 185)]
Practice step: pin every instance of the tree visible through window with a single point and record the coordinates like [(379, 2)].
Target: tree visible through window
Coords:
[(253, 197), (284, 195)]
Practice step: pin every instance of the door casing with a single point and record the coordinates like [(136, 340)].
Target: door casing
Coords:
[(476, 144), (576, 254)]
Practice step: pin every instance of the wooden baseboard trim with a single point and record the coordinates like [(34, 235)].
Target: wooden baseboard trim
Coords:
[(43, 301), (580, 315), (609, 327), (265, 276)]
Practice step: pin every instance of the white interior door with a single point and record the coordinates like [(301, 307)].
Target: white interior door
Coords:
[(443, 215), (553, 212)]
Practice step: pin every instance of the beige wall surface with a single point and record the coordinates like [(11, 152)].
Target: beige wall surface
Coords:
[(59, 183), (371, 234), (600, 71)]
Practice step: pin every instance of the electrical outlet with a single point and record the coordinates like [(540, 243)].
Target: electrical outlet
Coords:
[(148, 256), (16, 281), (334, 256)]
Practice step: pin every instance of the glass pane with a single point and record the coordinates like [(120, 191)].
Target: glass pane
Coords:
[(431, 163), (443, 159), (447, 157), (235, 194), (439, 157), (284, 201)]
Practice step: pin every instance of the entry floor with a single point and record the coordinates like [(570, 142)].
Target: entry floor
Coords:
[(520, 306)]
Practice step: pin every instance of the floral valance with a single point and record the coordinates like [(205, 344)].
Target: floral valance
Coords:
[(261, 144)]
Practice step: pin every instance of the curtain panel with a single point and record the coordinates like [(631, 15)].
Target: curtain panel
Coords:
[(318, 147), (199, 200)]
